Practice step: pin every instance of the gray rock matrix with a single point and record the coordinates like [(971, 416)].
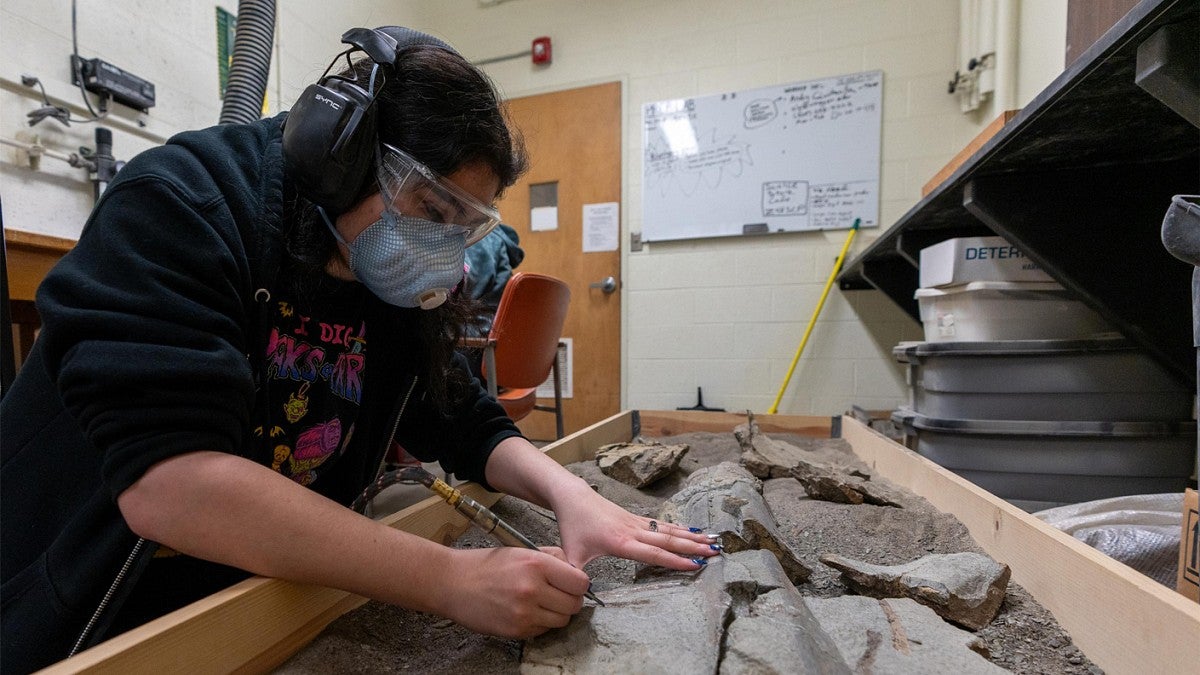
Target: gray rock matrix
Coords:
[(742, 614)]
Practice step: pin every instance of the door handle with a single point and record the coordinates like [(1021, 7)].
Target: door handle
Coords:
[(608, 284)]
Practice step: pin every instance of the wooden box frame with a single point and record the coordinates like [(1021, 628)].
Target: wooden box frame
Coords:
[(1125, 622)]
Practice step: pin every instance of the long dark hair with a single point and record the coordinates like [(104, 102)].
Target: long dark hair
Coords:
[(445, 112)]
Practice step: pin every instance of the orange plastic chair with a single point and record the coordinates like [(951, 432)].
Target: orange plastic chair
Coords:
[(522, 348)]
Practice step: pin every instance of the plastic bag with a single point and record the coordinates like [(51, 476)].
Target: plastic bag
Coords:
[(1141, 531)]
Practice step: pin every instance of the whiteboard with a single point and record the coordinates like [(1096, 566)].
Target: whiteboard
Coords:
[(787, 158)]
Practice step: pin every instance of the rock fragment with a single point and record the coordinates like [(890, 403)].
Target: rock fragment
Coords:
[(966, 588), (766, 457), (740, 614), (897, 635), (727, 501), (846, 486), (763, 456), (639, 464), (669, 626), (779, 634), (771, 629)]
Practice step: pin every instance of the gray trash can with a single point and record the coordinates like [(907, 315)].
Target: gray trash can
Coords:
[(1038, 464)]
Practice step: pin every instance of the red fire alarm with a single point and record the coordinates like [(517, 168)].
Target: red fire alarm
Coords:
[(541, 50)]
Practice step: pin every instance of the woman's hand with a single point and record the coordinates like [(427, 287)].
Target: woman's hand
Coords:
[(592, 526), (512, 592)]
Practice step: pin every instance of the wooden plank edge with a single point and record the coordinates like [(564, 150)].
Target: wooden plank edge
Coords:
[(581, 445), (20, 239), (1124, 621), (970, 149), (675, 422), (259, 623)]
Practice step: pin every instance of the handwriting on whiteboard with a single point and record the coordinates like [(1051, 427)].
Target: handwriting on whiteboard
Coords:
[(705, 165), (784, 158), (785, 198), (835, 204), (816, 101)]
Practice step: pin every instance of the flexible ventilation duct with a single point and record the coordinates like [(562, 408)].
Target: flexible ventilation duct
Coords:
[(251, 62)]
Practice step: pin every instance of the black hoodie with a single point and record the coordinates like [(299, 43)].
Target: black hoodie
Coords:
[(152, 346)]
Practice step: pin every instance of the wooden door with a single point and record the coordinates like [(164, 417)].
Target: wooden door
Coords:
[(574, 140)]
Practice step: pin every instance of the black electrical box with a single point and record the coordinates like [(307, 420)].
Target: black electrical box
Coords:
[(103, 78)]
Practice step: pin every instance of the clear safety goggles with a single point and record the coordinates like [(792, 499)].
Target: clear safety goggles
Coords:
[(412, 189)]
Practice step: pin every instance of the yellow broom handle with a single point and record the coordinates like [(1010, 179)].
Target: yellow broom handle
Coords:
[(837, 266)]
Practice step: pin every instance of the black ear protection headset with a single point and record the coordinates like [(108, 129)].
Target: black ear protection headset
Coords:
[(329, 136)]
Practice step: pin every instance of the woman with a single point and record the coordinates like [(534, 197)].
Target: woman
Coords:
[(224, 363)]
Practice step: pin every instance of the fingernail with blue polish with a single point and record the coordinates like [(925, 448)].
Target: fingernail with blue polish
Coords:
[(695, 529), (716, 547), (700, 561)]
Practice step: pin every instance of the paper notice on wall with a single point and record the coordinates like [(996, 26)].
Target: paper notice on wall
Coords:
[(565, 355), (543, 218), (601, 227)]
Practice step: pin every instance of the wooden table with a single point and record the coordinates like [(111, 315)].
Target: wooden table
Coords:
[(28, 257)]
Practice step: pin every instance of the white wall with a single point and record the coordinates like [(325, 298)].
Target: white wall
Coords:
[(1041, 53), (172, 43), (728, 314), (1037, 56), (725, 315)]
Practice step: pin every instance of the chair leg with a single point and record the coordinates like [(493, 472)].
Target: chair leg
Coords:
[(558, 411), (489, 364)]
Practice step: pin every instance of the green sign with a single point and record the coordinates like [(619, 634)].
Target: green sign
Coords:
[(226, 25)]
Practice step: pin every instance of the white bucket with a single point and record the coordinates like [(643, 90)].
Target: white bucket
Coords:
[(1006, 310)]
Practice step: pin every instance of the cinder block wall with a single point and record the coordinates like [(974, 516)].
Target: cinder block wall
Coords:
[(728, 314)]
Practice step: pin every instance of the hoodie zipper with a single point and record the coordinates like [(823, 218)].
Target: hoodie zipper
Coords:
[(400, 412), (137, 548), (387, 442)]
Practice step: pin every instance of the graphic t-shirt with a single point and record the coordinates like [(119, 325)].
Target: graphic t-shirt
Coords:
[(315, 363), (313, 381)]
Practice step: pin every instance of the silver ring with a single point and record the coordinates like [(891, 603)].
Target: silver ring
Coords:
[(654, 526)]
